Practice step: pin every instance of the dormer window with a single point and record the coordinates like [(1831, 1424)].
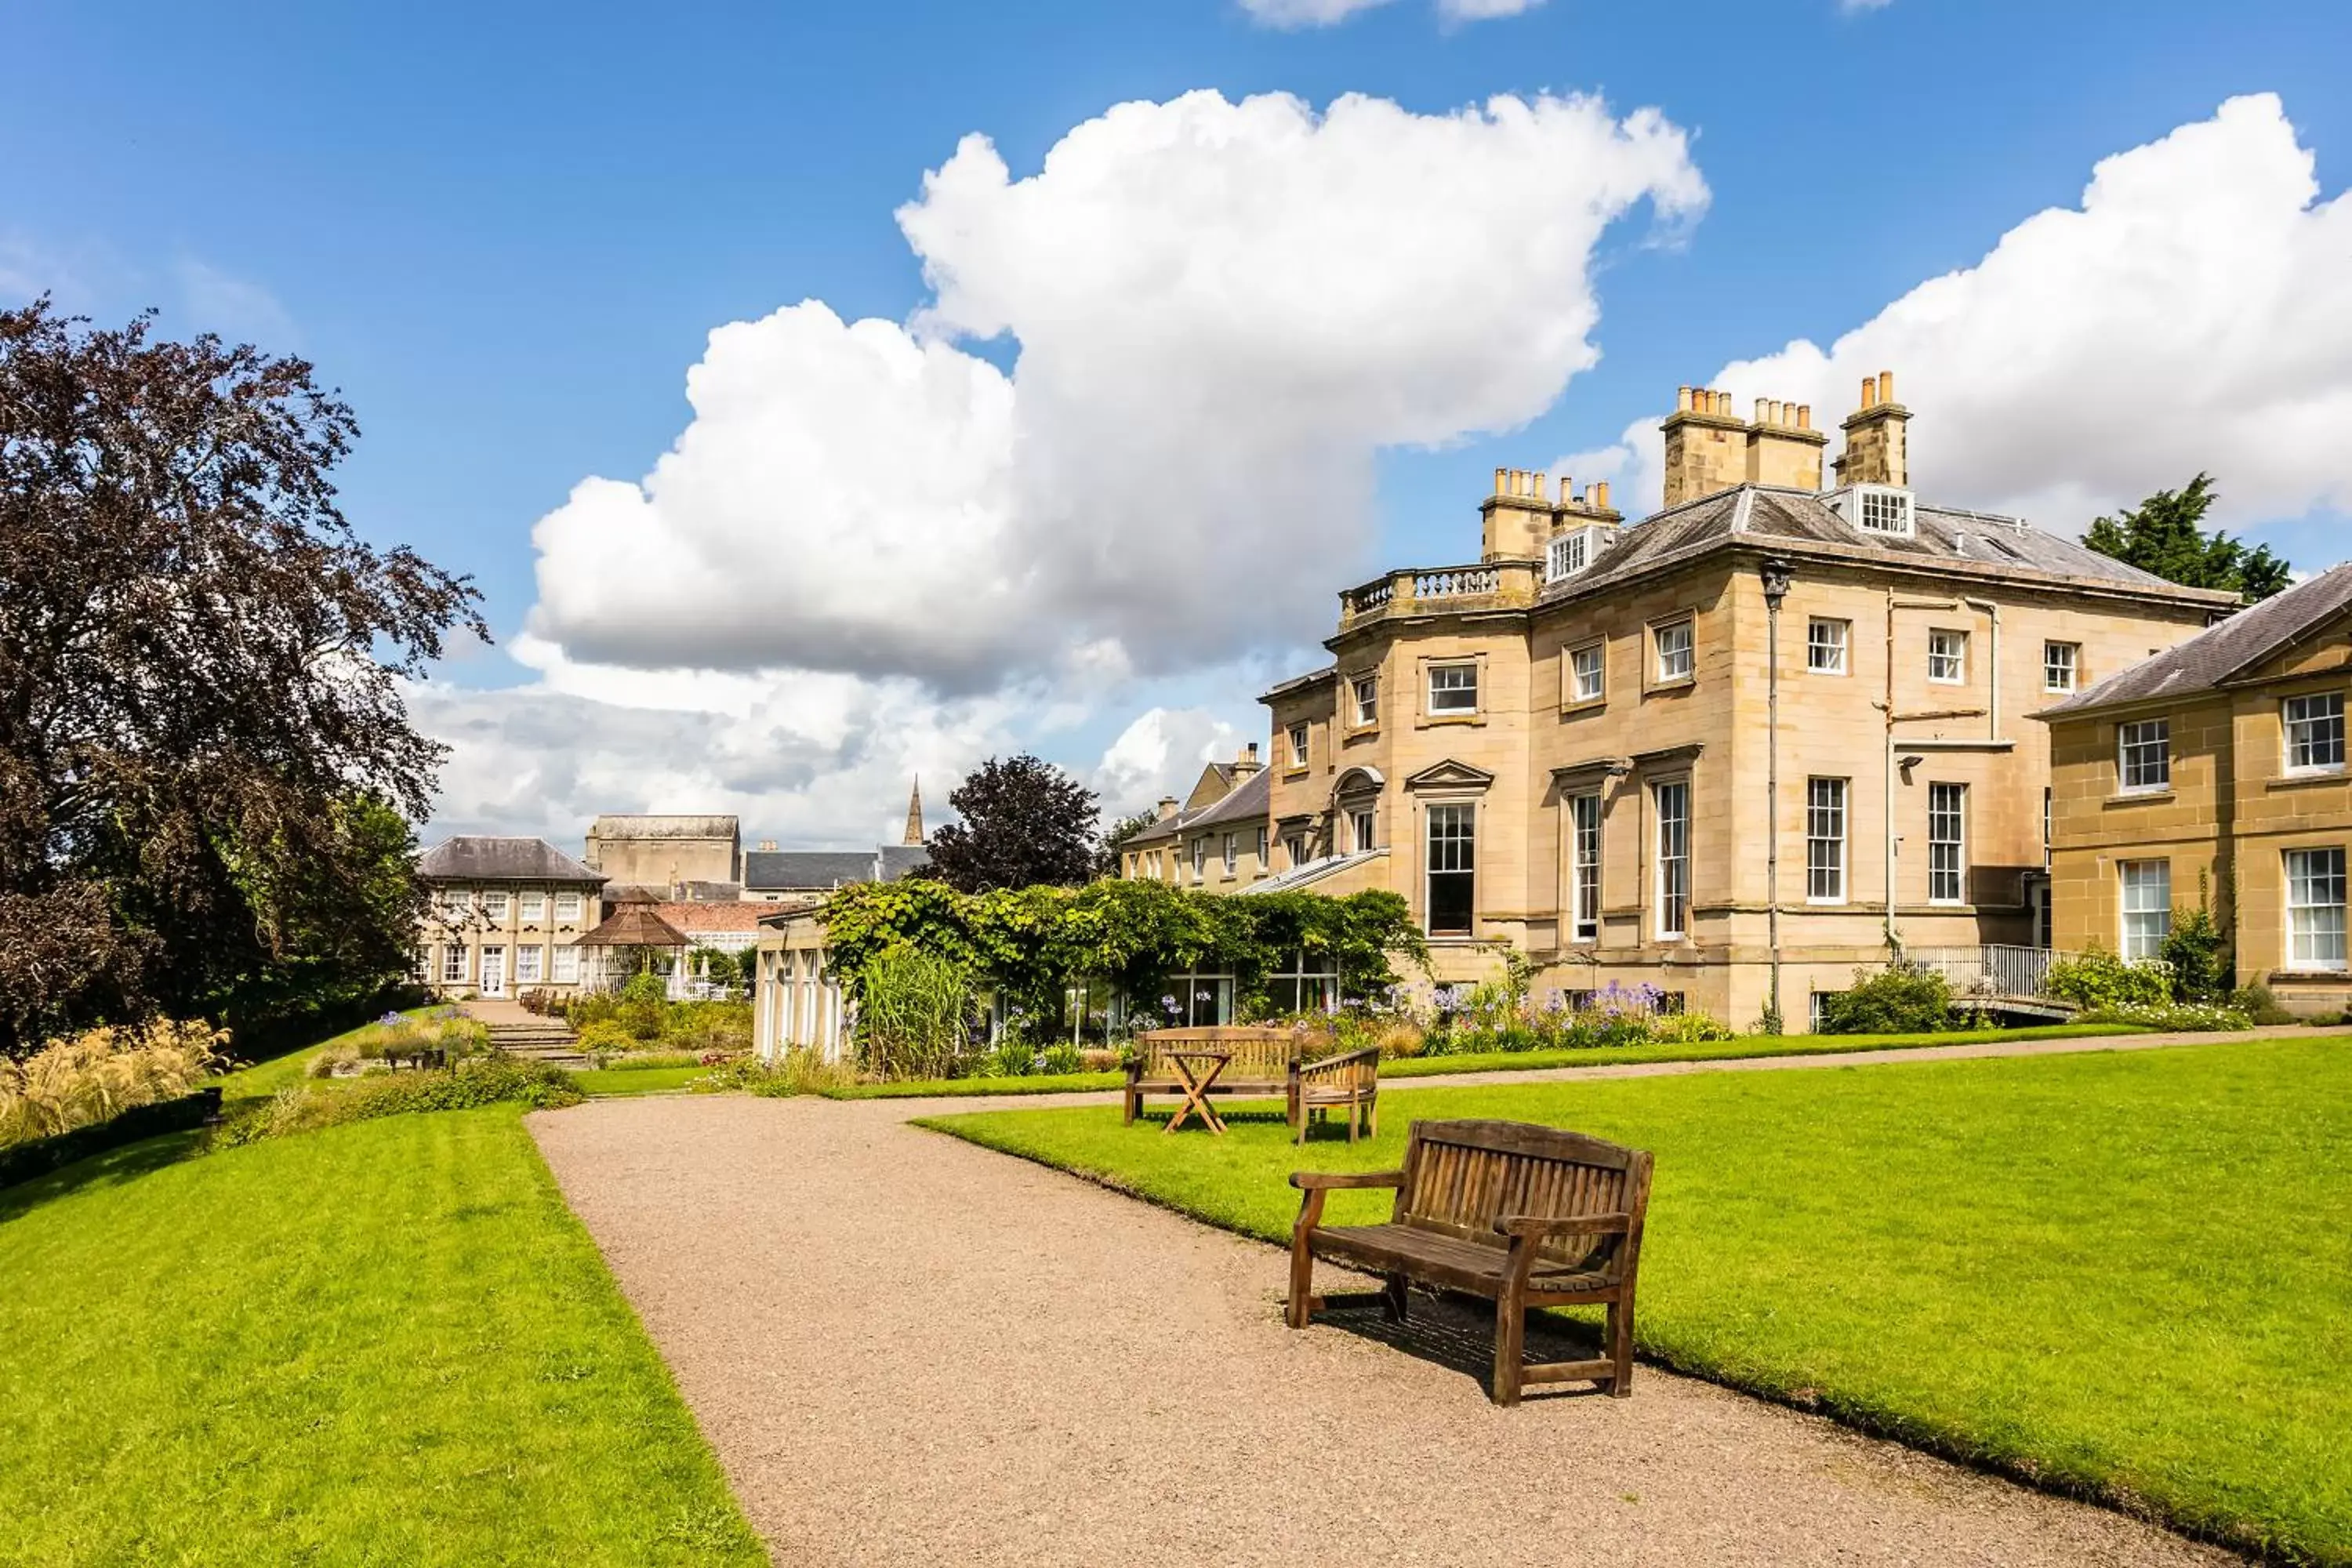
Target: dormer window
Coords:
[(1571, 553), (1878, 508)]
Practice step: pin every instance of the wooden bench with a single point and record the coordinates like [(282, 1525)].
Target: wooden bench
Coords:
[(1267, 1060), (1523, 1215)]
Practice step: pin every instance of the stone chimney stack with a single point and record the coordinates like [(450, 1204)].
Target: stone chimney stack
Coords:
[(1877, 449), (1516, 519), (1167, 806), (1589, 509), (1246, 764), (1783, 448), (1706, 445)]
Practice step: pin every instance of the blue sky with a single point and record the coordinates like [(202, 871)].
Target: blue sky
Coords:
[(506, 238)]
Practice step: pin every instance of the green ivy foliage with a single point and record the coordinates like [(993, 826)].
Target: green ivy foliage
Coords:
[(1032, 944)]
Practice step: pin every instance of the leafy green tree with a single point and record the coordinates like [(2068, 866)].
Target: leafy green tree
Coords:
[(1024, 821), (207, 770), (2164, 534)]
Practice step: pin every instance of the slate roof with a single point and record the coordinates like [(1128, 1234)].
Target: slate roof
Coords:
[(1246, 802), (787, 870), (2219, 654), (1801, 523), (639, 827), (475, 858)]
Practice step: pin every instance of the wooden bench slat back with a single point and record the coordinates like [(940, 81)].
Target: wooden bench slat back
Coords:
[(1460, 1177), (1257, 1052)]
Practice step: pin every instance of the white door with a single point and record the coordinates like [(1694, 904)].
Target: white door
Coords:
[(494, 971)]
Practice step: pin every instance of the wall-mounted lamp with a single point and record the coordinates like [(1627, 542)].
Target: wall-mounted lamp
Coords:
[(1776, 575)]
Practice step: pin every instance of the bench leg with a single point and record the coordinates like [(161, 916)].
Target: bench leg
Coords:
[(1510, 1347), (1353, 1118), (1620, 1348), (1302, 1279), (1394, 1299), (1134, 1105)]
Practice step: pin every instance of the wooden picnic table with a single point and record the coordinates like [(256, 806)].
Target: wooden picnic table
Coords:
[(1195, 1083)]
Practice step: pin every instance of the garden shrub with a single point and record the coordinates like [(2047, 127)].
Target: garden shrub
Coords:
[(1901, 999), (705, 1026), (95, 1076), (496, 1080), (2194, 951), (2100, 981), (2259, 1005), (1061, 1058), (797, 1071)]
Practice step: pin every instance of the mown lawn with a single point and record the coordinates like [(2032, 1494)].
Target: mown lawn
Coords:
[(386, 1342), (620, 1082), (2127, 1275)]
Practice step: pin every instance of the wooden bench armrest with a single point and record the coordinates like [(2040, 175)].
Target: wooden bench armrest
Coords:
[(1345, 1059), (1530, 1224), (1325, 1180)]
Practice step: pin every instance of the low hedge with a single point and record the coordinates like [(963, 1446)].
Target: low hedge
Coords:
[(22, 1162), (497, 1081)]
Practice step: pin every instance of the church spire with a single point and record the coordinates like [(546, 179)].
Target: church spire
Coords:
[(915, 813)]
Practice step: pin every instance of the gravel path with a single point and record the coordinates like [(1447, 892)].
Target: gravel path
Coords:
[(906, 1349)]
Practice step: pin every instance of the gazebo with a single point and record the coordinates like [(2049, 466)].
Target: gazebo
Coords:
[(632, 939)]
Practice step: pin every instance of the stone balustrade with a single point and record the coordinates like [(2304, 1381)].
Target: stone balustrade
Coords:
[(1441, 590)]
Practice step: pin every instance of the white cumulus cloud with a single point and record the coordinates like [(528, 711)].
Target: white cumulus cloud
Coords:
[(1223, 311), (2194, 312)]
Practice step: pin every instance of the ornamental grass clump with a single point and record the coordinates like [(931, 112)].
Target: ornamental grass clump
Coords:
[(101, 1073)]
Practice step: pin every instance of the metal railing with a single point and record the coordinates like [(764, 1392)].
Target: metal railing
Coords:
[(1991, 969)]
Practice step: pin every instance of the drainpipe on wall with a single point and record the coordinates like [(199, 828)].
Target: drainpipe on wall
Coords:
[(1992, 681), (1775, 575)]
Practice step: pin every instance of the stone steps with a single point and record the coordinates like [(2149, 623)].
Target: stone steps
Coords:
[(550, 1042)]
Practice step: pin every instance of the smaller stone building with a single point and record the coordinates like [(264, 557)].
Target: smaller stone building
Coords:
[(503, 915), (664, 853), (1217, 840), (2215, 772)]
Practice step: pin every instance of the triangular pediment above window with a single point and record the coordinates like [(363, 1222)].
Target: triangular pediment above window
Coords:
[(1450, 775)]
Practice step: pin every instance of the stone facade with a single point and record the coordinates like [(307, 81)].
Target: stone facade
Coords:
[(1217, 839), (1622, 689), (664, 852), (501, 915), (2242, 806)]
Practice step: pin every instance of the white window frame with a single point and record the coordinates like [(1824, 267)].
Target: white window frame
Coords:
[(2062, 666), (1947, 844), (1365, 689), (1294, 845), (568, 908), (2316, 902), (1569, 553), (1670, 859), (1324, 980), (1673, 651), (495, 904), (1201, 857), (1826, 828), (1264, 858), (531, 906), (2146, 897), (1443, 699), (1231, 858), (1578, 691), (456, 964), (2144, 748), (1827, 654), (1584, 867), (1948, 657), (1460, 818), (1882, 509), (566, 968), (453, 900), (530, 964), (1363, 829), (1298, 740), (2314, 728)]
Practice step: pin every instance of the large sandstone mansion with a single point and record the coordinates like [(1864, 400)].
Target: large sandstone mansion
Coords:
[(1733, 750)]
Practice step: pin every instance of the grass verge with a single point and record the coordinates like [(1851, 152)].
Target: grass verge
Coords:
[(2122, 1275), (614, 1083), (384, 1343)]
